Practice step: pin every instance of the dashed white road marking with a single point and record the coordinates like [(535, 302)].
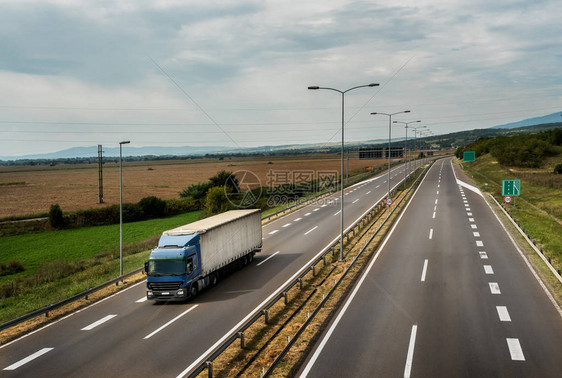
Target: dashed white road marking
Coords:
[(410, 356), (436, 201), (316, 209), (515, 350), (143, 299), (473, 226), (339, 211), (488, 269), (476, 234), (355, 200), (286, 225), (170, 322), (469, 214), (267, 258), (298, 219), (494, 288), (424, 271), (471, 219), (307, 214), (430, 233), (479, 243), (433, 215), (28, 359), (99, 322), (312, 229), (273, 232), (368, 192), (483, 255), (503, 314), (468, 209)]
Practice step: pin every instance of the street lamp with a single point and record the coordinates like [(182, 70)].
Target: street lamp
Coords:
[(389, 131), (342, 147), (415, 141), (408, 162), (121, 206)]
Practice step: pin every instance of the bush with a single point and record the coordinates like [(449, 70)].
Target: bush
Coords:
[(196, 191), (56, 217), (558, 169), (216, 200), (12, 267), (152, 207)]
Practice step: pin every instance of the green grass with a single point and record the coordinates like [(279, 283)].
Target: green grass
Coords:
[(534, 209), (35, 250)]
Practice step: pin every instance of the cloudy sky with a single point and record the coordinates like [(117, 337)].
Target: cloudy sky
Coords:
[(235, 72)]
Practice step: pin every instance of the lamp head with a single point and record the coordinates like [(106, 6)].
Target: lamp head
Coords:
[(314, 87)]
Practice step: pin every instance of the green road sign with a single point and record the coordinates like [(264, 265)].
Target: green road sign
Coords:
[(469, 156), (511, 188)]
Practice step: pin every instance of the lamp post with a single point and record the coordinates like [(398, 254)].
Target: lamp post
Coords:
[(389, 131), (415, 141), (342, 148), (121, 206), (408, 162)]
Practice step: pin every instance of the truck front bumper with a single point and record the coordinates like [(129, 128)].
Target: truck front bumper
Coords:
[(177, 295)]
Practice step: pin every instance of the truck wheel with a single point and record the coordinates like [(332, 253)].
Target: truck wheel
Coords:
[(214, 279), (193, 290), (250, 258)]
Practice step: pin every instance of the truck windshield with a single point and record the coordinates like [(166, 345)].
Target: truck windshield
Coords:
[(168, 267)]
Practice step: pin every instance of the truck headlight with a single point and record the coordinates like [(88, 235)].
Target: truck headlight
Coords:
[(149, 293), (180, 292)]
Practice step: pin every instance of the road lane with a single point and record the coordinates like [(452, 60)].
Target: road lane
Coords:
[(468, 321)]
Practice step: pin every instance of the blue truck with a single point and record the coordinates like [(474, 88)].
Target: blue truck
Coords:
[(194, 256)]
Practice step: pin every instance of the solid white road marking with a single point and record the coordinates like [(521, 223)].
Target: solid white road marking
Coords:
[(28, 359), (515, 350), (430, 233), (488, 269), (410, 357), (99, 322), (267, 258), (483, 255), (170, 322), (312, 229), (143, 299), (272, 232), (479, 243), (494, 287), (503, 314), (424, 271)]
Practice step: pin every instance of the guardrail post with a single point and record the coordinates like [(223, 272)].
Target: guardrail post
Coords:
[(324, 258), (299, 280), (241, 337), (266, 316), (285, 297), (313, 270), (209, 369)]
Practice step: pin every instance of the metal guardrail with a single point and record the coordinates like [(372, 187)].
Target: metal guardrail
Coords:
[(239, 333), (45, 310)]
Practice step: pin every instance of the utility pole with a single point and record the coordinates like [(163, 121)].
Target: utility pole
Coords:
[(100, 167)]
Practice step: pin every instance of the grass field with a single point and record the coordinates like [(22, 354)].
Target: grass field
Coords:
[(32, 190), (538, 209)]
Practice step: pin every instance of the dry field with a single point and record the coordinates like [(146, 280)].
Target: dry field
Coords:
[(32, 190)]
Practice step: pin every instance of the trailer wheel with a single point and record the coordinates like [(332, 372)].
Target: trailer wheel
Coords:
[(193, 289), (250, 258), (214, 279)]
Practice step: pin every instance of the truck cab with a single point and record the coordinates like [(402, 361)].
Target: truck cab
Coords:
[(173, 268)]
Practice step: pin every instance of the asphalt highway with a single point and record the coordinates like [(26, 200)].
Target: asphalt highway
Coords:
[(127, 336), (448, 294)]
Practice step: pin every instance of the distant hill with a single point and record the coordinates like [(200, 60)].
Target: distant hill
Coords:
[(551, 118)]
